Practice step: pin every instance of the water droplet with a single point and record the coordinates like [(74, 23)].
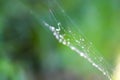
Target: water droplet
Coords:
[(70, 31), (64, 42), (82, 54), (68, 43), (61, 37), (82, 47), (82, 39), (52, 28), (57, 37), (104, 73), (93, 64), (60, 40), (77, 41), (59, 24), (54, 34), (58, 30), (73, 48)]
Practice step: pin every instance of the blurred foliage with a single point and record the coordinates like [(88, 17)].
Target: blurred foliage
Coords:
[(28, 51)]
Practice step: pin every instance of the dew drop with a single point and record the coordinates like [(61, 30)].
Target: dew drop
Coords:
[(73, 48), (104, 73), (82, 47), (69, 31), (60, 40), (64, 42), (68, 43), (52, 28), (82, 39)]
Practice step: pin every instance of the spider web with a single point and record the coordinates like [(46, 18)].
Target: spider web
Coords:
[(68, 33)]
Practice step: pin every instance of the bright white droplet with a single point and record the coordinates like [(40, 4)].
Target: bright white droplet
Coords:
[(64, 42), (82, 47), (73, 48), (59, 24), (82, 39), (58, 30), (77, 41), (70, 31), (61, 37), (60, 40), (52, 28), (104, 73), (68, 43)]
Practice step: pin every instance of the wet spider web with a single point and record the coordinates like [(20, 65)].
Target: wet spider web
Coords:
[(69, 34)]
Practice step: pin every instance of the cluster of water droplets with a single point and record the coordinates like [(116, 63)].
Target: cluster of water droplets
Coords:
[(74, 44), (58, 36)]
